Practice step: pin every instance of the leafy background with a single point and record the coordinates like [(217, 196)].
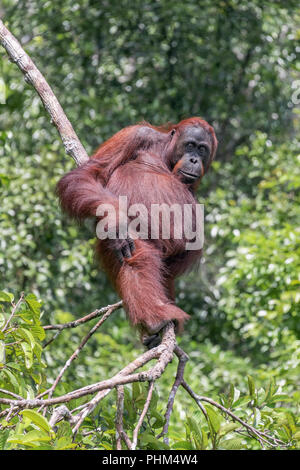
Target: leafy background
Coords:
[(111, 64)]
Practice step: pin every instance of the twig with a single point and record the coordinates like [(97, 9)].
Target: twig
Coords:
[(15, 308), (10, 412), (193, 395), (86, 318), (143, 414), (120, 433), (33, 76), (119, 416), (183, 358), (89, 409), (7, 392), (52, 339), (126, 440)]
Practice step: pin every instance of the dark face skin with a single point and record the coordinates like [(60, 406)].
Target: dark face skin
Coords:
[(191, 155)]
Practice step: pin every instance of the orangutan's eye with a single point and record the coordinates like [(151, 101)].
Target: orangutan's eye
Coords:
[(202, 150), (190, 145)]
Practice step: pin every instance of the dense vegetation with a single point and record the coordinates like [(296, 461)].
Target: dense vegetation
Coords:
[(113, 63)]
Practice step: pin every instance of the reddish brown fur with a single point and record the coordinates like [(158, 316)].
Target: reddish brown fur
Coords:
[(134, 162)]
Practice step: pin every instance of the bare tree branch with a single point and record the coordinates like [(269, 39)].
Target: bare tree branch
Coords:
[(33, 76), (86, 318), (119, 416), (143, 414), (183, 358)]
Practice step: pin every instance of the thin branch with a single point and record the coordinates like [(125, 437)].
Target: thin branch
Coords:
[(89, 409), (75, 354), (15, 308), (183, 358), (120, 433), (126, 440), (86, 318), (194, 396), (119, 416), (52, 339), (10, 412), (143, 414), (7, 392), (33, 76)]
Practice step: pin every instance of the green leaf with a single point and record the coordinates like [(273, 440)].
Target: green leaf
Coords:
[(33, 304), (271, 389), (204, 440), (28, 356), (257, 417), (154, 402), (64, 443), (280, 397), (38, 332), (3, 438), (136, 390), (228, 427), (183, 445), (2, 91), (193, 426), (106, 445), (251, 386), (236, 396), (12, 378), (241, 401), (260, 396), (291, 422), (2, 352), (6, 296), (38, 352), (37, 419), (31, 438), (159, 419), (297, 436), (214, 418), (64, 429), (27, 336), (154, 443), (14, 365), (234, 443)]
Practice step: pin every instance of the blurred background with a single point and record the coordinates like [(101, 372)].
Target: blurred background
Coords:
[(114, 63)]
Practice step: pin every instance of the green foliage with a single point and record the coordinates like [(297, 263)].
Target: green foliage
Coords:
[(22, 375), (21, 340)]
